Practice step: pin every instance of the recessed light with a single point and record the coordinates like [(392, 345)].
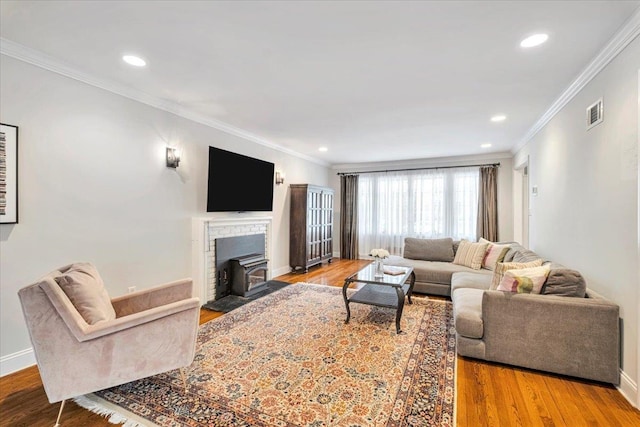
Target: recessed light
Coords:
[(485, 145), (136, 61), (534, 40), (323, 149), (499, 118)]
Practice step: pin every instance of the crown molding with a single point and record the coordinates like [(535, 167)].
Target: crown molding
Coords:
[(427, 162), (47, 62), (625, 35)]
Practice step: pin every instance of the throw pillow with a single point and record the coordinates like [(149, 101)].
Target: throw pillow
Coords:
[(524, 280), (85, 289), (495, 253), (503, 267), (470, 254), (428, 249)]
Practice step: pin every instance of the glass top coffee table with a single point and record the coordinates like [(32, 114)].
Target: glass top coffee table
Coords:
[(386, 291)]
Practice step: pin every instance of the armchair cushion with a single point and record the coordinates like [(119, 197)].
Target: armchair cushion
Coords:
[(85, 289)]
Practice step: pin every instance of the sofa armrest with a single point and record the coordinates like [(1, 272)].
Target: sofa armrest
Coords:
[(82, 331), (153, 297), (101, 329), (570, 336)]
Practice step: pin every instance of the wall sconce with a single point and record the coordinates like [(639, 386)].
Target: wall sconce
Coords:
[(173, 157), (279, 178)]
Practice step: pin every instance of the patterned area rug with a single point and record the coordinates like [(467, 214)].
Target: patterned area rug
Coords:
[(288, 359)]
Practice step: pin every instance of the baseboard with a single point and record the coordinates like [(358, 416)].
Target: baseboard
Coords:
[(280, 271), (628, 388), (16, 361)]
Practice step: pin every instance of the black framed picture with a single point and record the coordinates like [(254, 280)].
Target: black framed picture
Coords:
[(8, 174)]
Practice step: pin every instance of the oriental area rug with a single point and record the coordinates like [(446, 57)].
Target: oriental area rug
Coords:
[(288, 359)]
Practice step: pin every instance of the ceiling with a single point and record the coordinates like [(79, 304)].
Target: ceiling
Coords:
[(370, 80)]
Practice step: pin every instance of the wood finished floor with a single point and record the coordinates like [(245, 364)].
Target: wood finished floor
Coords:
[(488, 394)]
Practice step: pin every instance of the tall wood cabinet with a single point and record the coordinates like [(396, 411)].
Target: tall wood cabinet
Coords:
[(311, 226)]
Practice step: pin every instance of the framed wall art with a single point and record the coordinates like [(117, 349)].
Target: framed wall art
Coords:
[(8, 174)]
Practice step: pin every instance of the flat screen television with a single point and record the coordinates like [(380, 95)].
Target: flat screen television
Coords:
[(238, 183)]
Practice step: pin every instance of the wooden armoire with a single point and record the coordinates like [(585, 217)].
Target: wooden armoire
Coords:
[(311, 226)]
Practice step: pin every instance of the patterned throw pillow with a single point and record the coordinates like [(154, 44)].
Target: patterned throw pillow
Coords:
[(495, 253), (524, 280), (503, 267), (470, 254)]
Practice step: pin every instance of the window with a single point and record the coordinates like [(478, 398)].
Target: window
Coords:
[(425, 203)]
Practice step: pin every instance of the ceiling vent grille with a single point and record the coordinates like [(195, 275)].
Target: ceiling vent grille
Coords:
[(594, 114)]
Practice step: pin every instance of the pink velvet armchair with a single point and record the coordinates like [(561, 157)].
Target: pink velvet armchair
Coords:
[(83, 341)]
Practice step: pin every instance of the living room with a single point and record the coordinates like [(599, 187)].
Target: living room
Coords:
[(93, 184)]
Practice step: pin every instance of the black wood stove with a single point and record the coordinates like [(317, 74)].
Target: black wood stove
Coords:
[(248, 274)]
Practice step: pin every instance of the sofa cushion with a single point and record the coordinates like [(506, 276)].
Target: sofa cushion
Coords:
[(456, 245), (525, 255), (85, 289), (432, 271), (501, 267), (470, 254), (475, 280), (513, 248), (564, 282), (470, 347), (524, 280), (467, 312), (429, 249)]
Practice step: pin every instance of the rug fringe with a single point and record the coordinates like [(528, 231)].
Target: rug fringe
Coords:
[(113, 416)]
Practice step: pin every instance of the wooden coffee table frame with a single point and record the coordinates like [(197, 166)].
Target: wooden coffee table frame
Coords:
[(376, 290)]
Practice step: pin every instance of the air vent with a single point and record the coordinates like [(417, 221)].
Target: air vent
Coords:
[(594, 114)]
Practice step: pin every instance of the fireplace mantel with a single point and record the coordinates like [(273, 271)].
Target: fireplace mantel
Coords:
[(205, 230)]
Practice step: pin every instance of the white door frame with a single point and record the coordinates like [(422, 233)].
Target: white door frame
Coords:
[(521, 196)]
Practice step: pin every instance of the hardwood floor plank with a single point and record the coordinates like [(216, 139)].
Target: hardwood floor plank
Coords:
[(508, 398), (488, 394), (532, 391)]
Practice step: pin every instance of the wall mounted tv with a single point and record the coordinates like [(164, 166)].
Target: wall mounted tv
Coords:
[(238, 183)]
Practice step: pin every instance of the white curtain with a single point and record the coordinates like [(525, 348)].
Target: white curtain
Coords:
[(431, 203)]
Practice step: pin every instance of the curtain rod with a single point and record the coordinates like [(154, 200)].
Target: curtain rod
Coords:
[(495, 165)]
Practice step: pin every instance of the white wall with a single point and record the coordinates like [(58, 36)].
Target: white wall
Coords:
[(586, 213), (93, 186), (505, 207)]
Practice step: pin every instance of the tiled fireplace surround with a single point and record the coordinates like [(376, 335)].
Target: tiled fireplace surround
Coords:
[(205, 231)]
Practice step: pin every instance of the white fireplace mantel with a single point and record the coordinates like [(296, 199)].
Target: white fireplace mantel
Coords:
[(204, 230)]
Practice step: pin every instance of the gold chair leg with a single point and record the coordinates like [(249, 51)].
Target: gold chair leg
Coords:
[(184, 379), (60, 414)]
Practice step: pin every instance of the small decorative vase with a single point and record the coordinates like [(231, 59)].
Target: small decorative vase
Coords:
[(379, 267)]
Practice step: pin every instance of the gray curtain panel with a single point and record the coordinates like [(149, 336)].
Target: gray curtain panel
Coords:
[(349, 216), (488, 204)]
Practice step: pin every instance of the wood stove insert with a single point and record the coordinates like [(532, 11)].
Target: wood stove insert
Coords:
[(248, 274)]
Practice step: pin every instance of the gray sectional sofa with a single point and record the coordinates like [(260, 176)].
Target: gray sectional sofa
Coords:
[(567, 329)]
